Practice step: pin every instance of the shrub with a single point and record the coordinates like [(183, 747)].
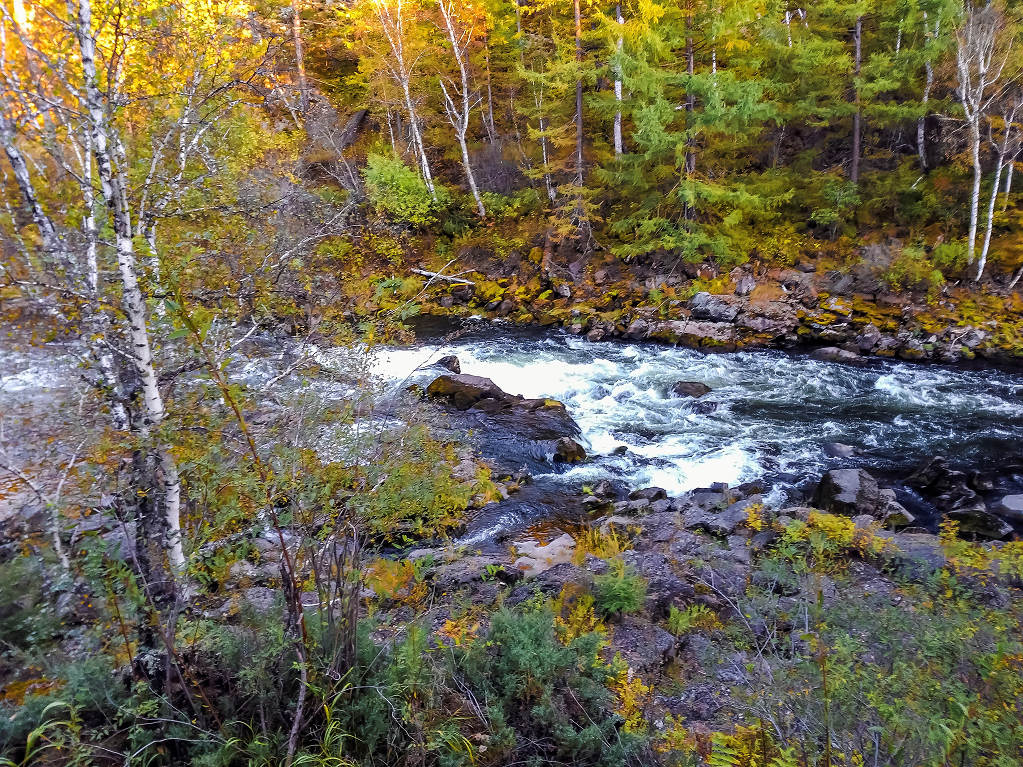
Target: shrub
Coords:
[(619, 591), (397, 191)]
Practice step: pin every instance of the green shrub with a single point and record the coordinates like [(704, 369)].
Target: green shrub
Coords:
[(619, 591), (399, 192), (913, 269)]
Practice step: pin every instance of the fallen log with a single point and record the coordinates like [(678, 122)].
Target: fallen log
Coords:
[(439, 276)]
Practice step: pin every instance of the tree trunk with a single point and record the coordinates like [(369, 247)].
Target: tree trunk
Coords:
[(971, 244), (618, 84), (113, 187), (854, 169), (982, 260), (459, 119), (296, 35), (580, 213)]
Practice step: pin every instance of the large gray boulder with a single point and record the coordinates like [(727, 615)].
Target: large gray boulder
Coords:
[(704, 306), (849, 492), (463, 390)]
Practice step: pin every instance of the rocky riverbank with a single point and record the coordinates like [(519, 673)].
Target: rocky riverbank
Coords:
[(817, 302)]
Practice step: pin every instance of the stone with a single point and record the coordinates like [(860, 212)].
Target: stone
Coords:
[(839, 450), (644, 645), (723, 522), (469, 570), (604, 489), (693, 389), (648, 493), (745, 285), (1010, 507), (980, 523), (638, 329), (704, 306), (450, 362), (463, 390), (567, 450), (835, 354), (535, 558), (848, 492)]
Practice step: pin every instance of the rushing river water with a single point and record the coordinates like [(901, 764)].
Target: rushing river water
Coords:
[(767, 418)]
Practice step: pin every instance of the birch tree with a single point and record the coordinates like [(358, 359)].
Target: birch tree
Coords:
[(979, 68), (459, 113), (401, 64)]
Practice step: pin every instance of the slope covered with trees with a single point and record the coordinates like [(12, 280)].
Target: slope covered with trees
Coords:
[(225, 543)]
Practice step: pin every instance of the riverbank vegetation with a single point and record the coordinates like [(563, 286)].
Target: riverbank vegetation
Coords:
[(207, 563)]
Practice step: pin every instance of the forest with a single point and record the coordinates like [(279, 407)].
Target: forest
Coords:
[(420, 383)]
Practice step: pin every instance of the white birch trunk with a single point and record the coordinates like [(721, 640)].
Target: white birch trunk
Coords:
[(113, 189), (618, 147), (459, 118)]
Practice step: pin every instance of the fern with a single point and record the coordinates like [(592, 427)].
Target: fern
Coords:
[(723, 754)]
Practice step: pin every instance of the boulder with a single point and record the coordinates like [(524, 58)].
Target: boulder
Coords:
[(643, 645), (704, 306), (1010, 507), (720, 522), (980, 523), (719, 335), (693, 389), (835, 354), (567, 450), (774, 318), (839, 450), (463, 391), (535, 558), (849, 492), (650, 494), (450, 362), (745, 285)]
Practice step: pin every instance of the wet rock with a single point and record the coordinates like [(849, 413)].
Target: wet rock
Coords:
[(605, 489), (949, 490), (648, 493), (704, 306), (693, 389), (450, 362), (848, 492), (463, 391), (745, 285), (643, 645), (806, 267), (567, 450), (839, 450), (980, 523), (835, 354), (1010, 507)]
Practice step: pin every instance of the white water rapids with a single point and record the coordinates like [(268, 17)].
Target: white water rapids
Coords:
[(774, 411)]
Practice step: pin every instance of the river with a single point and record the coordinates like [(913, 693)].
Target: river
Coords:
[(767, 417)]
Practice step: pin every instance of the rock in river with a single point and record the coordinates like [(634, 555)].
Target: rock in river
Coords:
[(690, 389), (849, 492), (1010, 507)]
